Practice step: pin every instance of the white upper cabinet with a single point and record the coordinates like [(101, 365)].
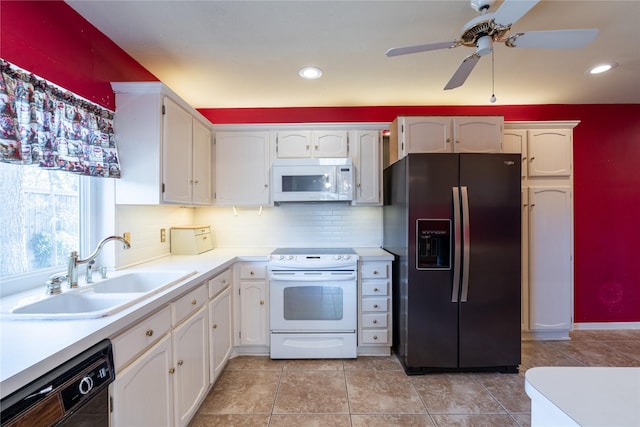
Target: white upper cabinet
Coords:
[(367, 159), (477, 134), (164, 147), (515, 141), (549, 152), (305, 144), (242, 168), (442, 134)]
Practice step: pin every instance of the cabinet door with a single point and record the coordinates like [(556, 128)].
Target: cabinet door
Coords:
[(190, 351), (367, 162), (524, 271), (242, 168), (330, 144), (293, 144), (143, 392), (220, 332), (477, 134), (425, 135), (254, 319), (550, 261), (202, 164), (549, 152), (515, 141), (176, 153)]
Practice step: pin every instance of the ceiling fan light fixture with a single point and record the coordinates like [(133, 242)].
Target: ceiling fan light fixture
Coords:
[(310, 73), (484, 45), (602, 68)]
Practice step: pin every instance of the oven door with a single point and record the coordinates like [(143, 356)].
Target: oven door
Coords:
[(306, 301)]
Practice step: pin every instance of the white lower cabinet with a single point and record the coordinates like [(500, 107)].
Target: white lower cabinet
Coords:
[(190, 357), (162, 374), (374, 311), (143, 392), (253, 305), (220, 332)]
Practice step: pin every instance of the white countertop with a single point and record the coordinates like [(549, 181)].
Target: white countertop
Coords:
[(31, 348), (584, 396)]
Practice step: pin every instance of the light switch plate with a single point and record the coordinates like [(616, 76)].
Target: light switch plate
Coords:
[(127, 236), (163, 235)]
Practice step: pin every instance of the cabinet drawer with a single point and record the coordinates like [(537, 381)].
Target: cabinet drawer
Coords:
[(375, 337), (188, 303), (374, 320), (138, 338), (375, 287), (219, 283), (256, 270), (375, 270), (374, 304)]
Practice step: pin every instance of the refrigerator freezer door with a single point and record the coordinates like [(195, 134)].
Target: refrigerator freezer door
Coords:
[(431, 317)]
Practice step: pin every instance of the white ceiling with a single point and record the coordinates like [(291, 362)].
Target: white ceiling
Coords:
[(227, 54)]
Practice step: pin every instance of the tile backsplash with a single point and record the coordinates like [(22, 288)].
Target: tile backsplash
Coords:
[(297, 225), (316, 224)]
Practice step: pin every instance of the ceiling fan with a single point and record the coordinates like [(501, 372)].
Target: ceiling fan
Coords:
[(490, 27)]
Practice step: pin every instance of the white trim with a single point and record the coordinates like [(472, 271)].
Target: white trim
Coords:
[(301, 126), (606, 325), (550, 124)]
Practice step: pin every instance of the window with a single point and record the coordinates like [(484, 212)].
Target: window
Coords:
[(40, 218)]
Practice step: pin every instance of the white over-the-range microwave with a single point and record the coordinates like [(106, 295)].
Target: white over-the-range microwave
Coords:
[(312, 180)]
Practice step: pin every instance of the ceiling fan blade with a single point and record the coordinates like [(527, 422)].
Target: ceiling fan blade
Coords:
[(556, 39), (512, 10), (395, 51), (462, 72)]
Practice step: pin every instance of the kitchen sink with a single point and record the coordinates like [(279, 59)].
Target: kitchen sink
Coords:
[(103, 298), (75, 305), (141, 281)]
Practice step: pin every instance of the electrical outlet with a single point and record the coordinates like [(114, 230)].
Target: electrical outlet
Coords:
[(127, 236), (163, 235)]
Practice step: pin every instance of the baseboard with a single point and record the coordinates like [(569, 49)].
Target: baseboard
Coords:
[(545, 335), (606, 325)]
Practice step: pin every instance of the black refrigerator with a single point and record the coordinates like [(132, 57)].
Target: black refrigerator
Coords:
[(453, 223)]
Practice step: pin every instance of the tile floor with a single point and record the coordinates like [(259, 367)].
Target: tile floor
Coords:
[(374, 391)]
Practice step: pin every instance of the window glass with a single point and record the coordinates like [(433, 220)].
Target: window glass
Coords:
[(39, 218)]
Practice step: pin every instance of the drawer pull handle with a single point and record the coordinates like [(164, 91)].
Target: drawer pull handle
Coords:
[(375, 337), (376, 289), (375, 305), (215, 326), (251, 273), (261, 302), (149, 332), (180, 362), (194, 302), (375, 272), (172, 370), (375, 322)]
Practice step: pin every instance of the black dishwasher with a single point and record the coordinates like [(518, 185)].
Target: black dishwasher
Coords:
[(75, 393)]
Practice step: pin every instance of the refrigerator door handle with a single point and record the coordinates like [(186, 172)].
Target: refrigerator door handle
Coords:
[(466, 244), (456, 244)]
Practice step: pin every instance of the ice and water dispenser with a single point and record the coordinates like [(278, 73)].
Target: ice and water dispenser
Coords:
[(434, 244)]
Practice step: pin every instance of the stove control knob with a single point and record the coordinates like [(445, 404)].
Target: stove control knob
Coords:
[(281, 257), (347, 257), (290, 257), (337, 257)]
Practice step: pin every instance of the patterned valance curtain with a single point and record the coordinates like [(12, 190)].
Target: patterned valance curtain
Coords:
[(43, 125)]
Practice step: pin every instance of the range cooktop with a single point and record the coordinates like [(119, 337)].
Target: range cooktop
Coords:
[(313, 251)]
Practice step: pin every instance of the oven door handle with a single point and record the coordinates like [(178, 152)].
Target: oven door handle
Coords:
[(312, 276)]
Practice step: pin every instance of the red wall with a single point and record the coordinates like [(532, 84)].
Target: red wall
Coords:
[(51, 40), (606, 142)]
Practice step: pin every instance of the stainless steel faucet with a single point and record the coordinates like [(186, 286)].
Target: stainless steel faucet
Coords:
[(74, 260)]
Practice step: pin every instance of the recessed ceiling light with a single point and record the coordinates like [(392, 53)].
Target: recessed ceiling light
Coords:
[(310, 73), (598, 69)]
